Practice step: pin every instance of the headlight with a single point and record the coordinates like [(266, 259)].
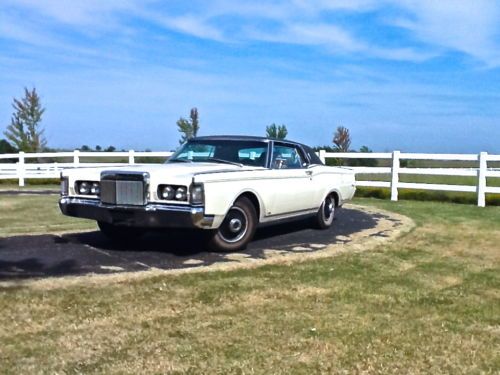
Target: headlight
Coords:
[(181, 193), (168, 193), (84, 188), (88, 188), (172, 192), (95, 189), (197, 194)]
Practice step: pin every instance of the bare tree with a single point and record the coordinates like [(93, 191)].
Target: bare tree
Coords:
[(342, 139)]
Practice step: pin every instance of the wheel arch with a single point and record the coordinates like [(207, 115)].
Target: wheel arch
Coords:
[(336, 196), (254, 198)]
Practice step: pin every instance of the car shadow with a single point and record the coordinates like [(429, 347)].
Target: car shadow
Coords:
[(25, 257)]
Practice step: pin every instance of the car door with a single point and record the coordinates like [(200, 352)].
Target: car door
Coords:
[(292, 182)]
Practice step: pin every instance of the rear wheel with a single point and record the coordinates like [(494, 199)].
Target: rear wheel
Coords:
[(326, 213), (237, 229), (119, 233)]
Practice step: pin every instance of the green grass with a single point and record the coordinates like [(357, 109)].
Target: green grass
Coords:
[(52, 185), (32, 214), (428, 303)]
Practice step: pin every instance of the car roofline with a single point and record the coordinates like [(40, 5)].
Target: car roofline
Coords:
[(242, 138)]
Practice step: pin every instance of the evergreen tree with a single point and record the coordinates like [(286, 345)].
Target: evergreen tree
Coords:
[(188, 128), (276, 132), (6, 147), (24, 131)]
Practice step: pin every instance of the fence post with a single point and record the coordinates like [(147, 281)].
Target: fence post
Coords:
[(20, 168), (76, 158), (322, 156), (395, 175), (481, 179), (131, 158)]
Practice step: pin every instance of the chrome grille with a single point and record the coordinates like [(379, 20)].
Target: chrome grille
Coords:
[(124, 189), (130, 193), (108, 192)]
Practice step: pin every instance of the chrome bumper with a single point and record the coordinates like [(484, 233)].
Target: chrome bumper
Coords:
[(151, 215)]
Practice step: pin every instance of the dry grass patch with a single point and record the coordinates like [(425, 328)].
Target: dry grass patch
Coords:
[(427, 303)]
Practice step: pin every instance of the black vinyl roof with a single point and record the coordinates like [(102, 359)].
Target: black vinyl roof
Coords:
[(311, 155), (240, 138)]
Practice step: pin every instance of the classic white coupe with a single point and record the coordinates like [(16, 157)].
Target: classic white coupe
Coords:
[(225, 185)]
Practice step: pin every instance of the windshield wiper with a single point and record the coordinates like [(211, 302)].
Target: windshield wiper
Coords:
[(224, 161)]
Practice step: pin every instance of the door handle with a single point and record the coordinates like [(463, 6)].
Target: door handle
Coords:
[(309, 173)]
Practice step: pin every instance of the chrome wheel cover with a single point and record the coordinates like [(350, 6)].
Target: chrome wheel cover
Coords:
[(235, 225), (328, 210)]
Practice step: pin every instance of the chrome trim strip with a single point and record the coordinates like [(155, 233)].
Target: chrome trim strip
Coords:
[(148, 207), (289, 215), (230, 171), (264, 178)]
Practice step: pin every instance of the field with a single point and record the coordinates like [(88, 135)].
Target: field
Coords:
[(428, 303)]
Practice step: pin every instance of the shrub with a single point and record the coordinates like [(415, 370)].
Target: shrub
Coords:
[(425, 195)]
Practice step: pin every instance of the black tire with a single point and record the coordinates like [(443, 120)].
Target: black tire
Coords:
[(120, 234), (237, 229), (326, 213)]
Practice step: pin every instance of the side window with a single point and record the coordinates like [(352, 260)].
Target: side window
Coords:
[(314, 159), (287, 157), (253, 156)]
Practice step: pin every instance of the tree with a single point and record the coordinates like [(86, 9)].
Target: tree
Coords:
[(110, 149), (98, 148), (342, 139), (85, 148), (24, 131), (276, 132), (364, 162), (6, 147), (188, 128)]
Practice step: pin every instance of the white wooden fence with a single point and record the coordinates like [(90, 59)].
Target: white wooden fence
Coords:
[(28, 165), (481, 172), (23, 168)]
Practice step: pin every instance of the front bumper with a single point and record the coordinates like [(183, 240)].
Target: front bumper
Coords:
[(151, 215)]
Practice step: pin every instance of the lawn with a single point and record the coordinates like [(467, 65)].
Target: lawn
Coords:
[(36, 214), (428, 303)]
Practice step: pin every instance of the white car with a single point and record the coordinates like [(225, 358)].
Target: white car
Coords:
[(224, 185)]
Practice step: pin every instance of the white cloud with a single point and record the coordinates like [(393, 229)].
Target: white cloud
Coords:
[(435, 27), (76, 12), (187, 24), (331, 36), (470, 27)]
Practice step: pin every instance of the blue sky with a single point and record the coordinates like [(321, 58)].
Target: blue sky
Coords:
[(414, 75)]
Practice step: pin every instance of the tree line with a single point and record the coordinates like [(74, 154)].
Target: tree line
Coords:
[(25, 131)]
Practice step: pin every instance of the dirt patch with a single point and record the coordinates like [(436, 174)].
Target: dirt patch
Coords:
[(388, 227)]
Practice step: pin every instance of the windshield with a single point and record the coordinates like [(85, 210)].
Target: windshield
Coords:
[(253, 153)]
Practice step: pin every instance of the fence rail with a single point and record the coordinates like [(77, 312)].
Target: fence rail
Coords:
[(23, 169), (481, 172)]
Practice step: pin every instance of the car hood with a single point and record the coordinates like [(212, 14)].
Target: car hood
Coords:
[(158, 171)]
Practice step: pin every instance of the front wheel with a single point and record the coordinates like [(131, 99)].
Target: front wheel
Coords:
[(237, 229), (326, 213), (119, 233)]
